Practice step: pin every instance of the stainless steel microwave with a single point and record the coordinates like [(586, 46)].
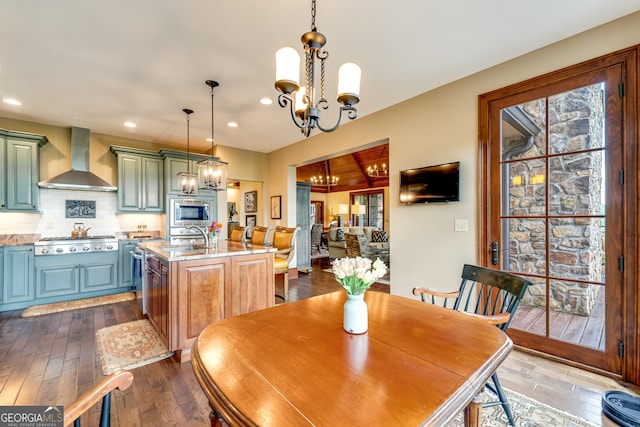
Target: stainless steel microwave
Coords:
[(186, 212)]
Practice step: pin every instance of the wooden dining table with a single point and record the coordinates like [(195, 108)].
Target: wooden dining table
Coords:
[(294, 365)]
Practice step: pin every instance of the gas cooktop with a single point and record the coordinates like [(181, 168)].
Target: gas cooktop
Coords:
[(53, 239)]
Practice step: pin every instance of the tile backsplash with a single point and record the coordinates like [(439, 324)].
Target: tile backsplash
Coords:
[(51, 221)]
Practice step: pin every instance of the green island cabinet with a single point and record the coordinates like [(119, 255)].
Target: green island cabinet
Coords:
[(18, 275), (20, 170), (140, 180)]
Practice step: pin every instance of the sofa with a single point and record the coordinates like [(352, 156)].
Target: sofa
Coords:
[(338, 246)]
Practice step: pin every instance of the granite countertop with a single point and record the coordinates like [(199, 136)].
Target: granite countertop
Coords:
[(18, 239), (139, 235), (188, 251)]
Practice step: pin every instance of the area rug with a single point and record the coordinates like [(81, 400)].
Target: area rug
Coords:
[(39, 310), (129, 345), (526, 413)]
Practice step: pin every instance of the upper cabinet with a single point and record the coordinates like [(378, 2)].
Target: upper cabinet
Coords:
[(140, 180), (176, 162), (19, 170)]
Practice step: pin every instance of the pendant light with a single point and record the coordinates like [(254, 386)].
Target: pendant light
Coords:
[(212, 173), (187, 181)]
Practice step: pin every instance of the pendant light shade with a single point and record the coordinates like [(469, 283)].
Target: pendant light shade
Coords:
[(187, 181), (212, 173)]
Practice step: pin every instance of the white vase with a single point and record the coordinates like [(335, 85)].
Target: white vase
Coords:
[(213, 241), (356, 315)]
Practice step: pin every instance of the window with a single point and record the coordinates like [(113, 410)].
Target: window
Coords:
[(367, 208)]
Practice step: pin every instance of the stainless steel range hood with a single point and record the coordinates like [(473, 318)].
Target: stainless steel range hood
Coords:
[(79, 177)]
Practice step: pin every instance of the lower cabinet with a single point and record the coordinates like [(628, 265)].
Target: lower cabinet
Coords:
[(157, 295), (18, 274), (202, 291), (125, 247), (78, 273)]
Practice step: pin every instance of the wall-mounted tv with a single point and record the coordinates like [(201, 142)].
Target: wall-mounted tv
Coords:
[(430, 184)]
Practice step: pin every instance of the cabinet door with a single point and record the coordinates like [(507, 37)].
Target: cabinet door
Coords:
[(3, 176), (22, 175), (253, 286), (56, 281), (18, 274), (129, 182), (303, 220), (124, 264), (1, 275), (201, 293), (152, 185), (98, 276)]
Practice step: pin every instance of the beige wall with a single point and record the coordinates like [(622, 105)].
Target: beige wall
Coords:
[(437, 127)]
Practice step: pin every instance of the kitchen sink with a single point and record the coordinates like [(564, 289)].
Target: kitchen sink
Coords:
[(183, 248)]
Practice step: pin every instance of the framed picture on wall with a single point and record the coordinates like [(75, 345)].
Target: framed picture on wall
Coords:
[(276, 208), (251, 201), (251, 221)]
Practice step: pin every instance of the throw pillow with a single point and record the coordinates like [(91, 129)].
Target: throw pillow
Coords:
[(379, 236), (340, 235)]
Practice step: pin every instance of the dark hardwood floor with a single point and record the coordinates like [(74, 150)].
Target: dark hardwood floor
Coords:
[(52, 359)]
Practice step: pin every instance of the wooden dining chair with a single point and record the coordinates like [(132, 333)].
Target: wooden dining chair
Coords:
[(260, 235), (239, 234), (490, 294), (118, 380), (284, 240)]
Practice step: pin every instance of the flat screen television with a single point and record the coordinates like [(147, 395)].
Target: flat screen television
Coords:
[(430, 184)]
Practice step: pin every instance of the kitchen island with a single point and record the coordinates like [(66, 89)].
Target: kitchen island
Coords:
[(187, 287)]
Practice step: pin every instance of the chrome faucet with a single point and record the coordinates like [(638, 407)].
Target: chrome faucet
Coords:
[(204, 233)]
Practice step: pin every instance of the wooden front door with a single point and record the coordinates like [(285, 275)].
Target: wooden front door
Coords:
[(554, 208)]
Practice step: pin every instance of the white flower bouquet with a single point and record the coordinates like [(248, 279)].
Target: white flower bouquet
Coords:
[(356, 275)]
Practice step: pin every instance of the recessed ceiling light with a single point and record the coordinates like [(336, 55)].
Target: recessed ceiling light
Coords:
[(11, 101), (266, 101), (129, 124), (232, 124)]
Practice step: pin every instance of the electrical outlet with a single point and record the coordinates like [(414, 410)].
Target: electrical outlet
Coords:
[(461, 225)]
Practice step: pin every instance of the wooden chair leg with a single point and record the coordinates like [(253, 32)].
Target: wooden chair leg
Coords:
[(286, 286)]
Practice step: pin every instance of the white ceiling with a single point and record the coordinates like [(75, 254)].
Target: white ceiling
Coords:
[(99, 63)]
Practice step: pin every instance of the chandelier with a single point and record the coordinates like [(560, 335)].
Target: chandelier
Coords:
[(376, 172), (187, 181), (212, 173), (305, 108), (326, 180)]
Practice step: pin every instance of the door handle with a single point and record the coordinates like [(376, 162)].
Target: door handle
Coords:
[(494, 253)]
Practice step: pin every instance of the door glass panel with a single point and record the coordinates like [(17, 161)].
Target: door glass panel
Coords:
[(576, 184), (576, 119), (576, 248), (577, 314), (527, 246), (527, 189), (523, 132), (531, 314)]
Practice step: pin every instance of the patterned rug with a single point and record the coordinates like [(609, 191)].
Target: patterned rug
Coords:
[(526, 412), (39, 310), (129, 345)]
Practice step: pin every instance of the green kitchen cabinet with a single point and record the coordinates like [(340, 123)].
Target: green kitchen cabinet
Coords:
[(124, 271), (60, 275), (18, 274), (1, 276), (176, 162), (140, 180), (19, 170)]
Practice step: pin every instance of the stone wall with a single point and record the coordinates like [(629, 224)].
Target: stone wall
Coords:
[(576, 244)]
